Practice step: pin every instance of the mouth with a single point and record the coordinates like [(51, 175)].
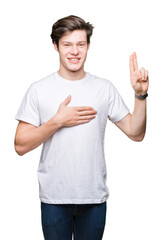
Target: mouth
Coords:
[(74, 60)]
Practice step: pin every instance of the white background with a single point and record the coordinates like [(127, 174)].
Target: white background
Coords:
[(135, 169)]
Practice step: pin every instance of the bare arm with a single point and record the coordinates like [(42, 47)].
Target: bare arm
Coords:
[(29, 137), (134, 125)]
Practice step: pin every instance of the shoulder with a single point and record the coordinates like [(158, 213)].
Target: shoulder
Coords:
[(43, 82), (105, 84), (100, 80)]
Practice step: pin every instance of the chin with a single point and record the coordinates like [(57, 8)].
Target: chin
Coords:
[(75, 69)]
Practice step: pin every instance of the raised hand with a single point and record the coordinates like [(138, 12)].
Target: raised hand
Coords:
[(139, 78)]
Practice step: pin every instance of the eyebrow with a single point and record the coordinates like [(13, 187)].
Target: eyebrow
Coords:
[(71, 42)]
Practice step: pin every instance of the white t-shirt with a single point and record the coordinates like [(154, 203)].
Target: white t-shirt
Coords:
[(72, 168)]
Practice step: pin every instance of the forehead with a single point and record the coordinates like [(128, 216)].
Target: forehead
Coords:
[(75, 36)]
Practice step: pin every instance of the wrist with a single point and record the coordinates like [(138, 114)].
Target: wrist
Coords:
[(140, 93), (141, 96), (57, 121)]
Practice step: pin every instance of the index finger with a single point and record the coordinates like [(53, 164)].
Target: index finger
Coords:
[(135, 62), (131, 64)]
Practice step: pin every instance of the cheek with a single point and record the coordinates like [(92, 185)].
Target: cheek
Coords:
[(63, 56), (63, 52), (85, 53)]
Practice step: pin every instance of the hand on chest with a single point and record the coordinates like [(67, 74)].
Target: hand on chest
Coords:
[(97, 100)]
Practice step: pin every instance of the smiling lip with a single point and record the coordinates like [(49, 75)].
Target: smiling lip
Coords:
[(74, 60)]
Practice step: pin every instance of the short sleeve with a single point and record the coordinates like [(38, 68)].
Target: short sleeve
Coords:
[(28, 110), (117, 109)]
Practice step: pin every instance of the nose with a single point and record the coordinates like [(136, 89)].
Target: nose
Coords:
[(74, 50)]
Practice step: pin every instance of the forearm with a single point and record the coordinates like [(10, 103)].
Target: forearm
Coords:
[(31, 139), (138, 119)]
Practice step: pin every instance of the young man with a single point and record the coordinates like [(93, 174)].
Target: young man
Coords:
[(67, 112)]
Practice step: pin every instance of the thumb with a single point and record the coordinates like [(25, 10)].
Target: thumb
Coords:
[(67, 100)]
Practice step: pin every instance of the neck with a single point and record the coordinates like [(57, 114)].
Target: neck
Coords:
[(72, 75)]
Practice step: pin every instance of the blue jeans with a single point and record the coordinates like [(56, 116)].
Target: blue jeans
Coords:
[(83, 221)]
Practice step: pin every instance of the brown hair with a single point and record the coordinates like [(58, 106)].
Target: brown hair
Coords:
[(69, 24)]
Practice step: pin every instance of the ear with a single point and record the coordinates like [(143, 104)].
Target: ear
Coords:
[(55, 46)]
